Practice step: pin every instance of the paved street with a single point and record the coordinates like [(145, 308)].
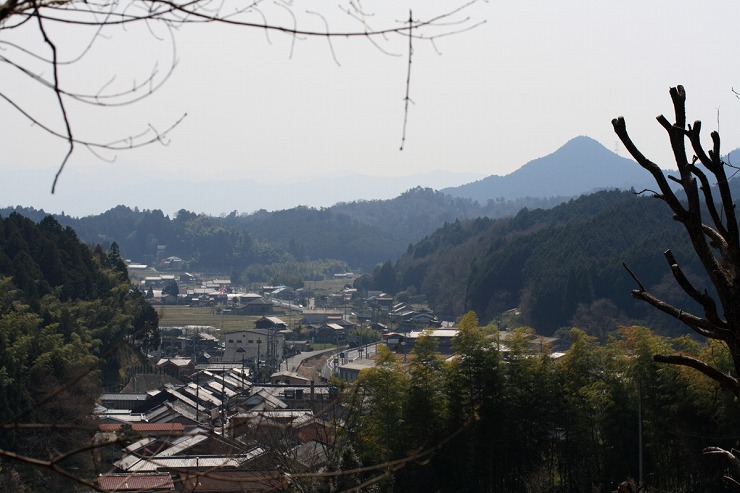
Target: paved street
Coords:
[(293, 362)]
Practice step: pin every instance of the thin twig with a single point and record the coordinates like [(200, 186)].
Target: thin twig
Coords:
[(58, 94), (408, 82)]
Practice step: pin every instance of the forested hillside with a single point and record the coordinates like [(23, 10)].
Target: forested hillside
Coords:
[(555, 264), (419, 211), (359, 234), (67, 317)]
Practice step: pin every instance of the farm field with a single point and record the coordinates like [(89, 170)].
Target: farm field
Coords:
[(181, 315), (178, 316)]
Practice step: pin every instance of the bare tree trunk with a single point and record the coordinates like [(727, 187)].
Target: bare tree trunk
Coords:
[(715, 241)]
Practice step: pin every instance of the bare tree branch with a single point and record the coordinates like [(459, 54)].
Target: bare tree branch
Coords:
[(407, 99), (727, 382), (620, 128), (700, 325), (172, 14), (716, 245), (703, 298)]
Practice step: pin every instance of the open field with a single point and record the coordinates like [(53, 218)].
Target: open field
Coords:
[(329, 285), (181, 315), (178, 316)]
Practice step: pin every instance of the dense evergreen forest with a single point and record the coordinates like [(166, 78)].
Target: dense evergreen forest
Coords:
[(562, 266), (357, 234), (68, 319)]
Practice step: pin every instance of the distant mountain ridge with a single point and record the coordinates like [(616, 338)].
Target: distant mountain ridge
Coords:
[(101, 190), (580, 166), (361, 233)]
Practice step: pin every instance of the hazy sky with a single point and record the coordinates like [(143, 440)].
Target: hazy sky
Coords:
[(265, 106)]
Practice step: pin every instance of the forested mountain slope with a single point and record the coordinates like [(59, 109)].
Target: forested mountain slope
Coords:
[(365, 233), (554, 264), (360, 234), (67, 317)]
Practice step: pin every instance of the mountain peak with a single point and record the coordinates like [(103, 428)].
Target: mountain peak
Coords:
[(579, 153), (580, 144), (582, 165)]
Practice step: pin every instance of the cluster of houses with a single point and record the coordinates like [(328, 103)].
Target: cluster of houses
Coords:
[(240, 423), (264, 345), (221, 415), (212, 428), (193, 292)]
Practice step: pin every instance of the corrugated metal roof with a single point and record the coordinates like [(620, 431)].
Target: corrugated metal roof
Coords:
[(181, 397), (158, 414), (175, 361), (127, 462), (182, 444), (136, 482), (414, 334), (140, 444), (265, 397), (187, 411), (137, 396), (276, 414), (124, 417), (200, 392), (278, 390), (221, 388), (233, 383), (157, 462)]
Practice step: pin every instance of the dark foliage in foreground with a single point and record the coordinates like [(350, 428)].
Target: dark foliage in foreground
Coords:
[(67, 320)]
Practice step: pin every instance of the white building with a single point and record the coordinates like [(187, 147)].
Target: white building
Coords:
[(249, 345)]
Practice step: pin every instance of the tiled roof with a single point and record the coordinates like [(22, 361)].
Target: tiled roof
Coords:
[(144, 427), (235, 481), (136, 482)]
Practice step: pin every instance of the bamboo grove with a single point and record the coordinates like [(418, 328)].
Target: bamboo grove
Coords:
[(506, 414)]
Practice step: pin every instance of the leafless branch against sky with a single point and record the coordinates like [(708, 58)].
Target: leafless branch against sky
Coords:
[(34, 41)]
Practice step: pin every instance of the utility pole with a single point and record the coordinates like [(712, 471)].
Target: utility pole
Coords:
[(224, 410), (639, 434), (259, 341)]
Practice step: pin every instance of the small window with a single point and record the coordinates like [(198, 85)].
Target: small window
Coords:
[(238, 341), (231, 341), (250, 341)]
